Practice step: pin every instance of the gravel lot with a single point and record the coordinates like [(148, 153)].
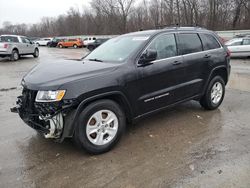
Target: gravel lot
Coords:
[(184, 146)]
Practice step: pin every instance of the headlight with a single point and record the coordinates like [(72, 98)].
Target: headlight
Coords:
[(50, 96)]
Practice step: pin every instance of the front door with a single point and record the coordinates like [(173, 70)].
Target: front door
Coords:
[(161, 80), (30, 46)]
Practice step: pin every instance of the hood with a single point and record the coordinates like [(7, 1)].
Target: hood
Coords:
[(50, 76)]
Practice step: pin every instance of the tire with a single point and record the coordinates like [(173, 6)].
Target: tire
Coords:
[(214, 94), (14, 55), (91, 48), (75, 46), (104, 135), (36, 53), (60, 46)]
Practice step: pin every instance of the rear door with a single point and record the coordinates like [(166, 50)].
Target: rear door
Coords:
[(160, 81), (246, 46), (213, 49), (195, 61)]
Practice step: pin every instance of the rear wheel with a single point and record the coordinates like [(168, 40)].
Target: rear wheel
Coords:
[(100, 126), (14, 55), (214, 94), (36, 53)]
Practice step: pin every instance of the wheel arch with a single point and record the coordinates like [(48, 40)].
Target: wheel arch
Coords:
[(218, 71), (221, 71), (15, 48), (115, 96)]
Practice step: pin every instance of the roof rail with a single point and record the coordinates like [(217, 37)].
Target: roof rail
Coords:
[(176, 26)]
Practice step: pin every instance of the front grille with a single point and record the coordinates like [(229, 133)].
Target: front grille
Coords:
[(27, 101), (48, 108), (28, 112), (38, 114)]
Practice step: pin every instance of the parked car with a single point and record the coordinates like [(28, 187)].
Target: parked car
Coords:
[(88, 40), (98, 42), (43, 41), (239, 47), (14, 46), (75, 43), (33, 39), (127, 78), (242, 35), (54, 42)]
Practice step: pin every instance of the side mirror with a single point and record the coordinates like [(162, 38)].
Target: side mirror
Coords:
[(148, 56)]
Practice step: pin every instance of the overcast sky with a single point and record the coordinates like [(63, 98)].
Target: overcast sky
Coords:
[(31, 11)]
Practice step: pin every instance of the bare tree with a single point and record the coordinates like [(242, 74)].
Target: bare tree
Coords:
[(121, 16)]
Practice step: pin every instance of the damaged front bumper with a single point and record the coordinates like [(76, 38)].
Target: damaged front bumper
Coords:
[(48, 118)]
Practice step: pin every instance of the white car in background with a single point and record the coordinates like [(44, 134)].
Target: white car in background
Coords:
[(239, 47), (88, 40), (43, 41)]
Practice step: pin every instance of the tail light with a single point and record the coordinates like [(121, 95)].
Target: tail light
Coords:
[(222, 40), (5, 46), (228, 53)]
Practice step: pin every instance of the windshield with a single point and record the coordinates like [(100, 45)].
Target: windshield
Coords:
[(117, 49)]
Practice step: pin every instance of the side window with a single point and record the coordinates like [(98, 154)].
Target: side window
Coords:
[(27, 40), (165, 46), (209, 42), (246, 42), (15, 39), (238, 43), (189, 43), (23, 40)]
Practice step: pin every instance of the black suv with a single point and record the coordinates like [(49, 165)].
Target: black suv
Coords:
[(93, 45), (54, 42), (126, 78)]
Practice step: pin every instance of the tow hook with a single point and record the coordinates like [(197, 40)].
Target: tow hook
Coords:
[(14, 110)]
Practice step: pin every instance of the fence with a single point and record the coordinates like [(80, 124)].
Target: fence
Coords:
[(224, 34)]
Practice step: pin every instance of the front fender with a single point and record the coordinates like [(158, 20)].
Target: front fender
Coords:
[(71, 119)]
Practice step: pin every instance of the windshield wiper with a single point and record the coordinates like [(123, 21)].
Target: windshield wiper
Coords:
[(98, 60)]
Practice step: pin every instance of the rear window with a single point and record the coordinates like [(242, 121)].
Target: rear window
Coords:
[(189, 43), (209, 42), (8, 39)]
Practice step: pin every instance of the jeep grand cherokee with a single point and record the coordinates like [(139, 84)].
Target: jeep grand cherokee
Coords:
[(125, 79)]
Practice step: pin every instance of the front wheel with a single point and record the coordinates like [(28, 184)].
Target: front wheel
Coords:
[(36, 53), (214, 94), (100, 126), (75, 46)]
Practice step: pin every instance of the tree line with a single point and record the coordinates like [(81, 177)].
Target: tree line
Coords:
[(122, 16)]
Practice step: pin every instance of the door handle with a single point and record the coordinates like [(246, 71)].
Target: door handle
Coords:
[(207, 56), (177, 63)]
